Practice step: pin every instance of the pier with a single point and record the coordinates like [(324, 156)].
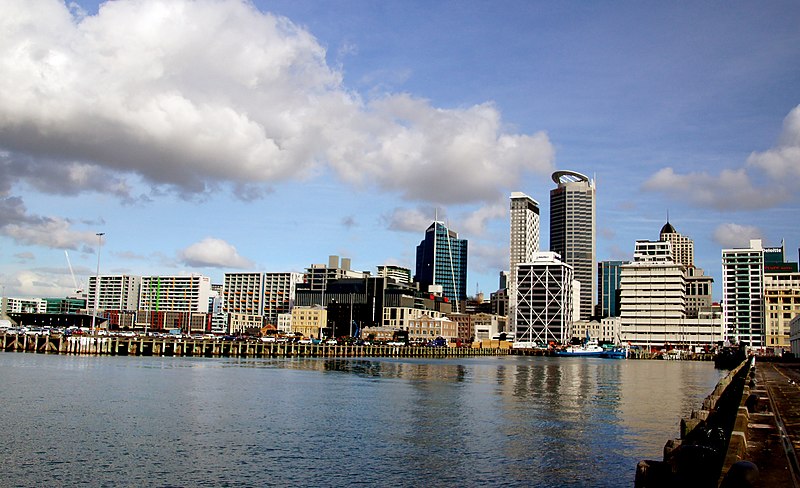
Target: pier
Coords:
[(746, 434), (186, 347)]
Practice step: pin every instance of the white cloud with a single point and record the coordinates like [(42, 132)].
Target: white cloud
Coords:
[(34, 283), (189, 94), (766, 181), (475, 223), (729, 190), (782, 161), (411, 219), (732, 235), (213, 253)]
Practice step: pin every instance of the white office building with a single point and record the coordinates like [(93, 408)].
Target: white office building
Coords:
[(117, 292), (544, 301), (653, 303), (523, 242), (743, 294)]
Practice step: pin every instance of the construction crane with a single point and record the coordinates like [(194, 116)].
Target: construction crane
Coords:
[(78, 289)]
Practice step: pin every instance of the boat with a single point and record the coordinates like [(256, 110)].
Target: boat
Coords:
[(589, 349), (618, 352)]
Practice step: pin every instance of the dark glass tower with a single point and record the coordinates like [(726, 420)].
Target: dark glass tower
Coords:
[(442, 260)]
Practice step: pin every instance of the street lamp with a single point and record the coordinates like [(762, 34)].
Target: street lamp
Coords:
[(97, 280)]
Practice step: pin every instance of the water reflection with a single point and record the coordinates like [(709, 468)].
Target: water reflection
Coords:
[(463, 422)]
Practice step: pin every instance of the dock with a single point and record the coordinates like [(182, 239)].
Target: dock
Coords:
[(746, 434), (208, 347)]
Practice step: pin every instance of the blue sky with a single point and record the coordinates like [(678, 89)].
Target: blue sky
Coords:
[(215, 136)]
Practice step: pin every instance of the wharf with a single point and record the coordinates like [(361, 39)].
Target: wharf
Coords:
[(183, 347), (772, 432)]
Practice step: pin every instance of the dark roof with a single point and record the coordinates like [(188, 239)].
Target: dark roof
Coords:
[(668, 229)]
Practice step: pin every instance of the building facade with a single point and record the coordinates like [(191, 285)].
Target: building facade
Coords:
[(398, 273), (743, 294), (682, 246), (117, 292), (442, 261), (609, 274), (174, 293), (523, 241), (544, 310), (653, 303), (782, 303), (572, 231)]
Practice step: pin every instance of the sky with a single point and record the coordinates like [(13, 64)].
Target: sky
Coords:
[(212, 136)]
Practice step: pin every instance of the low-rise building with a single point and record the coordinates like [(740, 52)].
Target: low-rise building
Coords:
[(309, 321)]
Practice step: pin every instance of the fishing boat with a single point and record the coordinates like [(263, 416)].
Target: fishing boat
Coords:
[(589, 349)]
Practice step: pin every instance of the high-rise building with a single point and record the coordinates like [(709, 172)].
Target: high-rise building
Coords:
[(243, 293), (523, 241), (743, 294), (698, 291), (174, 293), (544, 311), (572, 231), (781, 297), (442, 261), (682, 246), (608, 279), (117, 292), (653, 303), (317, 276)]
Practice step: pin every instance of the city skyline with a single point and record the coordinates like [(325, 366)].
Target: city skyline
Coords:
[(345, 131)]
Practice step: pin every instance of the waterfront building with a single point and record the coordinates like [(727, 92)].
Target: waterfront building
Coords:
[(544, 301), (499, 302), (572, 231), (605, 330), (463, 323), (682, 246), (653, 303), (243, 323), (219, 323), (782, 303), (309, 321), (743, 294), (280, 291), (427, 327), (399, 318), (284, 323), (442, 261), (24, 305), (117, 292), (608, 279), (188, 293), (398, 273), (242, 293), (65, 305), (488, 326)]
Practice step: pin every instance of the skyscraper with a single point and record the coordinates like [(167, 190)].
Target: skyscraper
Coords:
[(743, 294), (442, 261), (572, 231), (608, 285), (523, 241)]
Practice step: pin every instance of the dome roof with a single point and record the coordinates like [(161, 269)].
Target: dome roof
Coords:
[(668, 229)]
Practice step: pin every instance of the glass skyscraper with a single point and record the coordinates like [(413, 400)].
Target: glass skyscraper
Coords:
[(442, 260), (572, 231)]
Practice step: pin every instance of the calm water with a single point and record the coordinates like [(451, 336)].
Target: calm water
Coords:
[(510, 421)]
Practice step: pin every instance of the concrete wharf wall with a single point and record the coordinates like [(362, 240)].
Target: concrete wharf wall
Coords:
[(166, 346), (736, 439)]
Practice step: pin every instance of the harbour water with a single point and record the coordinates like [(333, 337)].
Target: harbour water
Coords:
[(489, 421)]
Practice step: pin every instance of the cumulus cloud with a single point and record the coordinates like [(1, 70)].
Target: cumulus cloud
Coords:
[(213, 253), (35, 283), (475, 223), (729, 190), (192, 94), (783, 161), (28, 229), (765, 181), (411, 219), (732, 235), (486, 258)]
